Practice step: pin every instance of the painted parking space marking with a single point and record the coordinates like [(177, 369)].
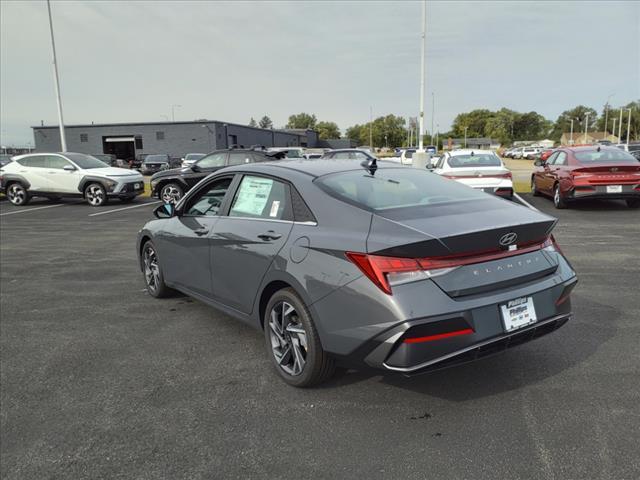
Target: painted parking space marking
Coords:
[(124, 208), (27, 210)]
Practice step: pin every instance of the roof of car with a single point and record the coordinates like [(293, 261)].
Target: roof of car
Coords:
[(583, 148), (319, 167)]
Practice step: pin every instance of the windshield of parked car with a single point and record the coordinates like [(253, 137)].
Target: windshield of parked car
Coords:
[(477, 160), (156, 159), (85, 161), (294, 154), (612, 155), (391, 188)]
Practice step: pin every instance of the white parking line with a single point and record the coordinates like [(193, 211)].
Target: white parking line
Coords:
[(27, 210), (525, 202), (125, 208)]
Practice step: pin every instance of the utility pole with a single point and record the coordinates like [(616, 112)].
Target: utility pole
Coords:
[(586, 126), (370, 127), (56, 81), (571, 134), (620, 128), (433, 109), (423, 45), (628, 128)]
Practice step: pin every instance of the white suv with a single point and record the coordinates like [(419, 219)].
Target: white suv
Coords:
[(56, 175)]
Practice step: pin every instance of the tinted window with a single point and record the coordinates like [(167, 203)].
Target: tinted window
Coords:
[(156, 159), (53, 161), (240, 158), (477, 160), (609, 155), (33, 161), (213, 160), (395, 188), (208, 201), (85, 161), (261, 197)]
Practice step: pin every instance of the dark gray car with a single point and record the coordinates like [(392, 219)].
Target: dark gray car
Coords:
[(363, 266)]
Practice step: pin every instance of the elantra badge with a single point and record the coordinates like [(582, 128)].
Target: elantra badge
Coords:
[(508, 239)]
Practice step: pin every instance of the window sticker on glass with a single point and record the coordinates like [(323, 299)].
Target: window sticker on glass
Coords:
[(252, 196), (275, 205)]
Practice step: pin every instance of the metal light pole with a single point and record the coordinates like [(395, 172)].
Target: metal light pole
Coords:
[(423, 46), (614, 128), (586, 126), (606, 113), (628, 127), (571, 134), (56, 81), (370, 127), (465, 137), (620, 128), (173, 112), (433, 109)]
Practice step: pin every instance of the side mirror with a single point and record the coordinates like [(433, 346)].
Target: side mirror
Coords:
[(196, 168), (69, 168), (166, 210), (539, 163)]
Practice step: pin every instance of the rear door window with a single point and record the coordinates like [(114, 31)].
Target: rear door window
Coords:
[(262, 197), (37, 161)]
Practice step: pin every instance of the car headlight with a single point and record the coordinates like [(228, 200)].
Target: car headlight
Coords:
[(110, 184)]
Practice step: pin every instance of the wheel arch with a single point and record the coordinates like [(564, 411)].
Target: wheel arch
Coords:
[(9, 178), (270, 285), (86, 180)]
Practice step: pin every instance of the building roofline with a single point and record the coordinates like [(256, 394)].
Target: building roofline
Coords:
[(190, 122)]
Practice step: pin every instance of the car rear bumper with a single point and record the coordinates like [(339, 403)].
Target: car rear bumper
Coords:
[(601, 192)]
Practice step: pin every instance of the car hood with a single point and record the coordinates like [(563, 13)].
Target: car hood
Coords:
[(112, 172), (172, 172)]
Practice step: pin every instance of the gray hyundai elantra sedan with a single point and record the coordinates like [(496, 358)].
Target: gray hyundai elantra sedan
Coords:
[(360, 265)]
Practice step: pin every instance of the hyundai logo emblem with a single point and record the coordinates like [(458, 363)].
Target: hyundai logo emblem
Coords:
[(508, 239)]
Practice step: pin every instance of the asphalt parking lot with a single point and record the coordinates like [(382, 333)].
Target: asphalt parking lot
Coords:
[(99, 380)]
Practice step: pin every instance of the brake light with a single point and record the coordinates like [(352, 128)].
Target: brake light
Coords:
[(386, 272)]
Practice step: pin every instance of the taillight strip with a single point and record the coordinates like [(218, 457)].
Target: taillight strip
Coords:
[(439, 336)]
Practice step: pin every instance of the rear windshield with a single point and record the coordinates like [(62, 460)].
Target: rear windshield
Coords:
[(409, 153), (85, 161), (391, 188), (156, 158), (610, 155), (477, 160)]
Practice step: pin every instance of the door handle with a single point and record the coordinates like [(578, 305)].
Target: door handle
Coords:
[(270, 235), (201, 231)]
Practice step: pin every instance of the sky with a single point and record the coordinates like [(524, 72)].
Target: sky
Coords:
[(128, 61)]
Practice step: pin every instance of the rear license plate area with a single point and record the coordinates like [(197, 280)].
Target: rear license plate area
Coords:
[(518, 313), (614, 188)]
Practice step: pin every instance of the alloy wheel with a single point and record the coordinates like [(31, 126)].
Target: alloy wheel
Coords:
[(556, 196), (95, 195), (288, 338), (151, 268), (16, 194), (171, 194)]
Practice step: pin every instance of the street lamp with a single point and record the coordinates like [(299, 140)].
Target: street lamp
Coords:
[(465, 137), (56, 81), (586, 126), (571, 134), (614, 128), (606, 113), (628, 128), (173, 113)]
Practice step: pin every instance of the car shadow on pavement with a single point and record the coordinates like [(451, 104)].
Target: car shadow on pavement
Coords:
[(521, 366)]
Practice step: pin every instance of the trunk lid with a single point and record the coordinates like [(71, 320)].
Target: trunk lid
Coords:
[(601, 174)]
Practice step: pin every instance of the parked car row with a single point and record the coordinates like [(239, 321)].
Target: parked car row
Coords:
[(529, 153)]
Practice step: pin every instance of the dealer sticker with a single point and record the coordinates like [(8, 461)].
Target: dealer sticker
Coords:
[(518, 313)]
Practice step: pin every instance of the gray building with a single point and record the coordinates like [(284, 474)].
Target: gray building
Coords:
[(127, 140)]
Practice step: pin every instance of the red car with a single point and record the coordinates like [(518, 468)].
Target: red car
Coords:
[(573, 173)]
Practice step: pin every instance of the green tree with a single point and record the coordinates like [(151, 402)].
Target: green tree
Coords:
[(265, 122), (327, 130), (302, 120), (355, 132), (252, 123), (578, 114), (389, 130), (474, 121)]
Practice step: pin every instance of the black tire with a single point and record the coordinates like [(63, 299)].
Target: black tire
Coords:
[(534, 190), (127, 199), (318, 365), (17, 194), (154, 282), (558, 201), (633, 203), (171, 193), (95, 194)]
